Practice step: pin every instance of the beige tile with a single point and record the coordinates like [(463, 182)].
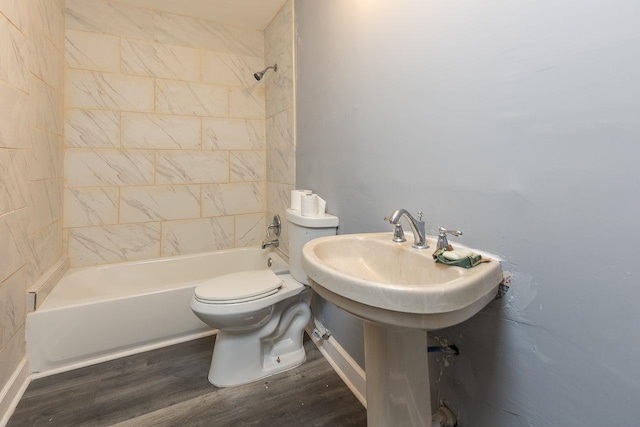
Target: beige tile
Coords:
[(15, 123), (45, 248), (18, 59), (160, 131), (250, 229), (279, 130), (230, 69), (279, 93), (197, 235), (106, 17), (144, 204), (92, 128), (152, 59), (13, 235), (12, 305), (46, 201), (248, 166), (233, 134), (91, 51), (47, 17), (4, 47), (113, 243), (281, 24), (14, 174), (46, 155), (281, 52), (233, 199), (90, 206), (94, 168), (46, 106), (192, 167), (245, 41), (192, 32), (191, 98), (17, 12), (247, 102), (280, 166), (91, 89), (45, 61)]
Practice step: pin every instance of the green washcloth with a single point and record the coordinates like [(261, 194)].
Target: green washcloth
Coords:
[(465, 258)]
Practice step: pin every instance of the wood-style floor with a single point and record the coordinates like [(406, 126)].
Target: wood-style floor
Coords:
[(169, 387)]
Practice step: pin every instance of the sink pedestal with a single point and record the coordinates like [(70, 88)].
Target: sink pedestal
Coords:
[(400, 293), (397, 369)]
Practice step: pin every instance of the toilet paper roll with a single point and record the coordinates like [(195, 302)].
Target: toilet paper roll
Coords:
[(309, 205), (296, 196), (322, 205)]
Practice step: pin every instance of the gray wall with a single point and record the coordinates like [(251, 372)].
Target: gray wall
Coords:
[(518, 123)]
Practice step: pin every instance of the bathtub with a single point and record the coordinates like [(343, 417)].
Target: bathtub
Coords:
[(104, 312)]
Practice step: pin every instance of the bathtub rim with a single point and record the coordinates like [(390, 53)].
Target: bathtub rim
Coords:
[(100, 267)]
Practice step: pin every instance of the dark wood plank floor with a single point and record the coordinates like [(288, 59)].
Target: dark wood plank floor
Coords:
[(169, 387)]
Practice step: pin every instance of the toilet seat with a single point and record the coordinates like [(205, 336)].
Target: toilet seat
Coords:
[(239, 287)]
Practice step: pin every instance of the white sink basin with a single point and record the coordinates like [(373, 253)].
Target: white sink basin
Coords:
[(392, 283), (401, 292)]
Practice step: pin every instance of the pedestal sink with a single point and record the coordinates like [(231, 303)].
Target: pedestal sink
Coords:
[(400, 292)]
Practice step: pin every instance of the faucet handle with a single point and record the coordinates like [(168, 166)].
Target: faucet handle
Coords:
[(443, 243), (443, 231), (419, 215), (276, 226)]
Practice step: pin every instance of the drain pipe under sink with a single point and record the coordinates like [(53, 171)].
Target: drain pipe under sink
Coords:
[(443, 418)]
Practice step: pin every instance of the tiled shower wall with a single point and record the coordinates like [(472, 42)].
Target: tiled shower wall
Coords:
[(165, 147), (31, 126), (278, 46)]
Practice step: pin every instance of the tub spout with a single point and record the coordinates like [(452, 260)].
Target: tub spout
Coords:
[(274, 243)]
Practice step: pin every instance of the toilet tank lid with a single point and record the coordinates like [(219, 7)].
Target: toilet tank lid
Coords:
[(234, 286), (324, 220)]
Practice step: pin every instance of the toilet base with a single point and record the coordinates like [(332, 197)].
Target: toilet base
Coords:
[(244, 357)]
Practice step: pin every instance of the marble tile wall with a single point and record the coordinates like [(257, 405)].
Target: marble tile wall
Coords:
[(31, 150), (165, 139), (279, 111)]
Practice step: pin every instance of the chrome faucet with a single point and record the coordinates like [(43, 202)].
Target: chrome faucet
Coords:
[(417, 226), (443, 243), (274, 243), (276, 226)]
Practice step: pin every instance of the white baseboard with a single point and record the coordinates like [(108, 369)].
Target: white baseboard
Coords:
[(344, 365), (13, 391)]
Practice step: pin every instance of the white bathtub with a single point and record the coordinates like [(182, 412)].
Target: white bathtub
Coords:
[(100, 313)]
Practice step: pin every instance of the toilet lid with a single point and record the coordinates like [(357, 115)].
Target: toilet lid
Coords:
[(238, 287)]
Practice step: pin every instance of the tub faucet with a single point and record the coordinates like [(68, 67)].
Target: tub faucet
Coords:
[(274, 243), (417, 226), (276, 226)]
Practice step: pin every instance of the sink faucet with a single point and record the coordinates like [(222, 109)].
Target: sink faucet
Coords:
[(417, 226)]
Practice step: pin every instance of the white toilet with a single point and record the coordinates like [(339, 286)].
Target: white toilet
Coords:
[(260, 316)]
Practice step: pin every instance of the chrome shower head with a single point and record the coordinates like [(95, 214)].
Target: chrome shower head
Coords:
[(259, 74)]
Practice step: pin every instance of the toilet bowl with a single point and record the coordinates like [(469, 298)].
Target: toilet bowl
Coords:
[(260, 315)]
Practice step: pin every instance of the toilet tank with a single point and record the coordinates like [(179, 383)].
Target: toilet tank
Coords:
[(301, 230)]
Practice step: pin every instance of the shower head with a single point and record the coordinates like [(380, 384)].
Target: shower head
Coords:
[(259, 74)]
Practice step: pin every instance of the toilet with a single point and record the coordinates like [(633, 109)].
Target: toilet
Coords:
[(260, 315)]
